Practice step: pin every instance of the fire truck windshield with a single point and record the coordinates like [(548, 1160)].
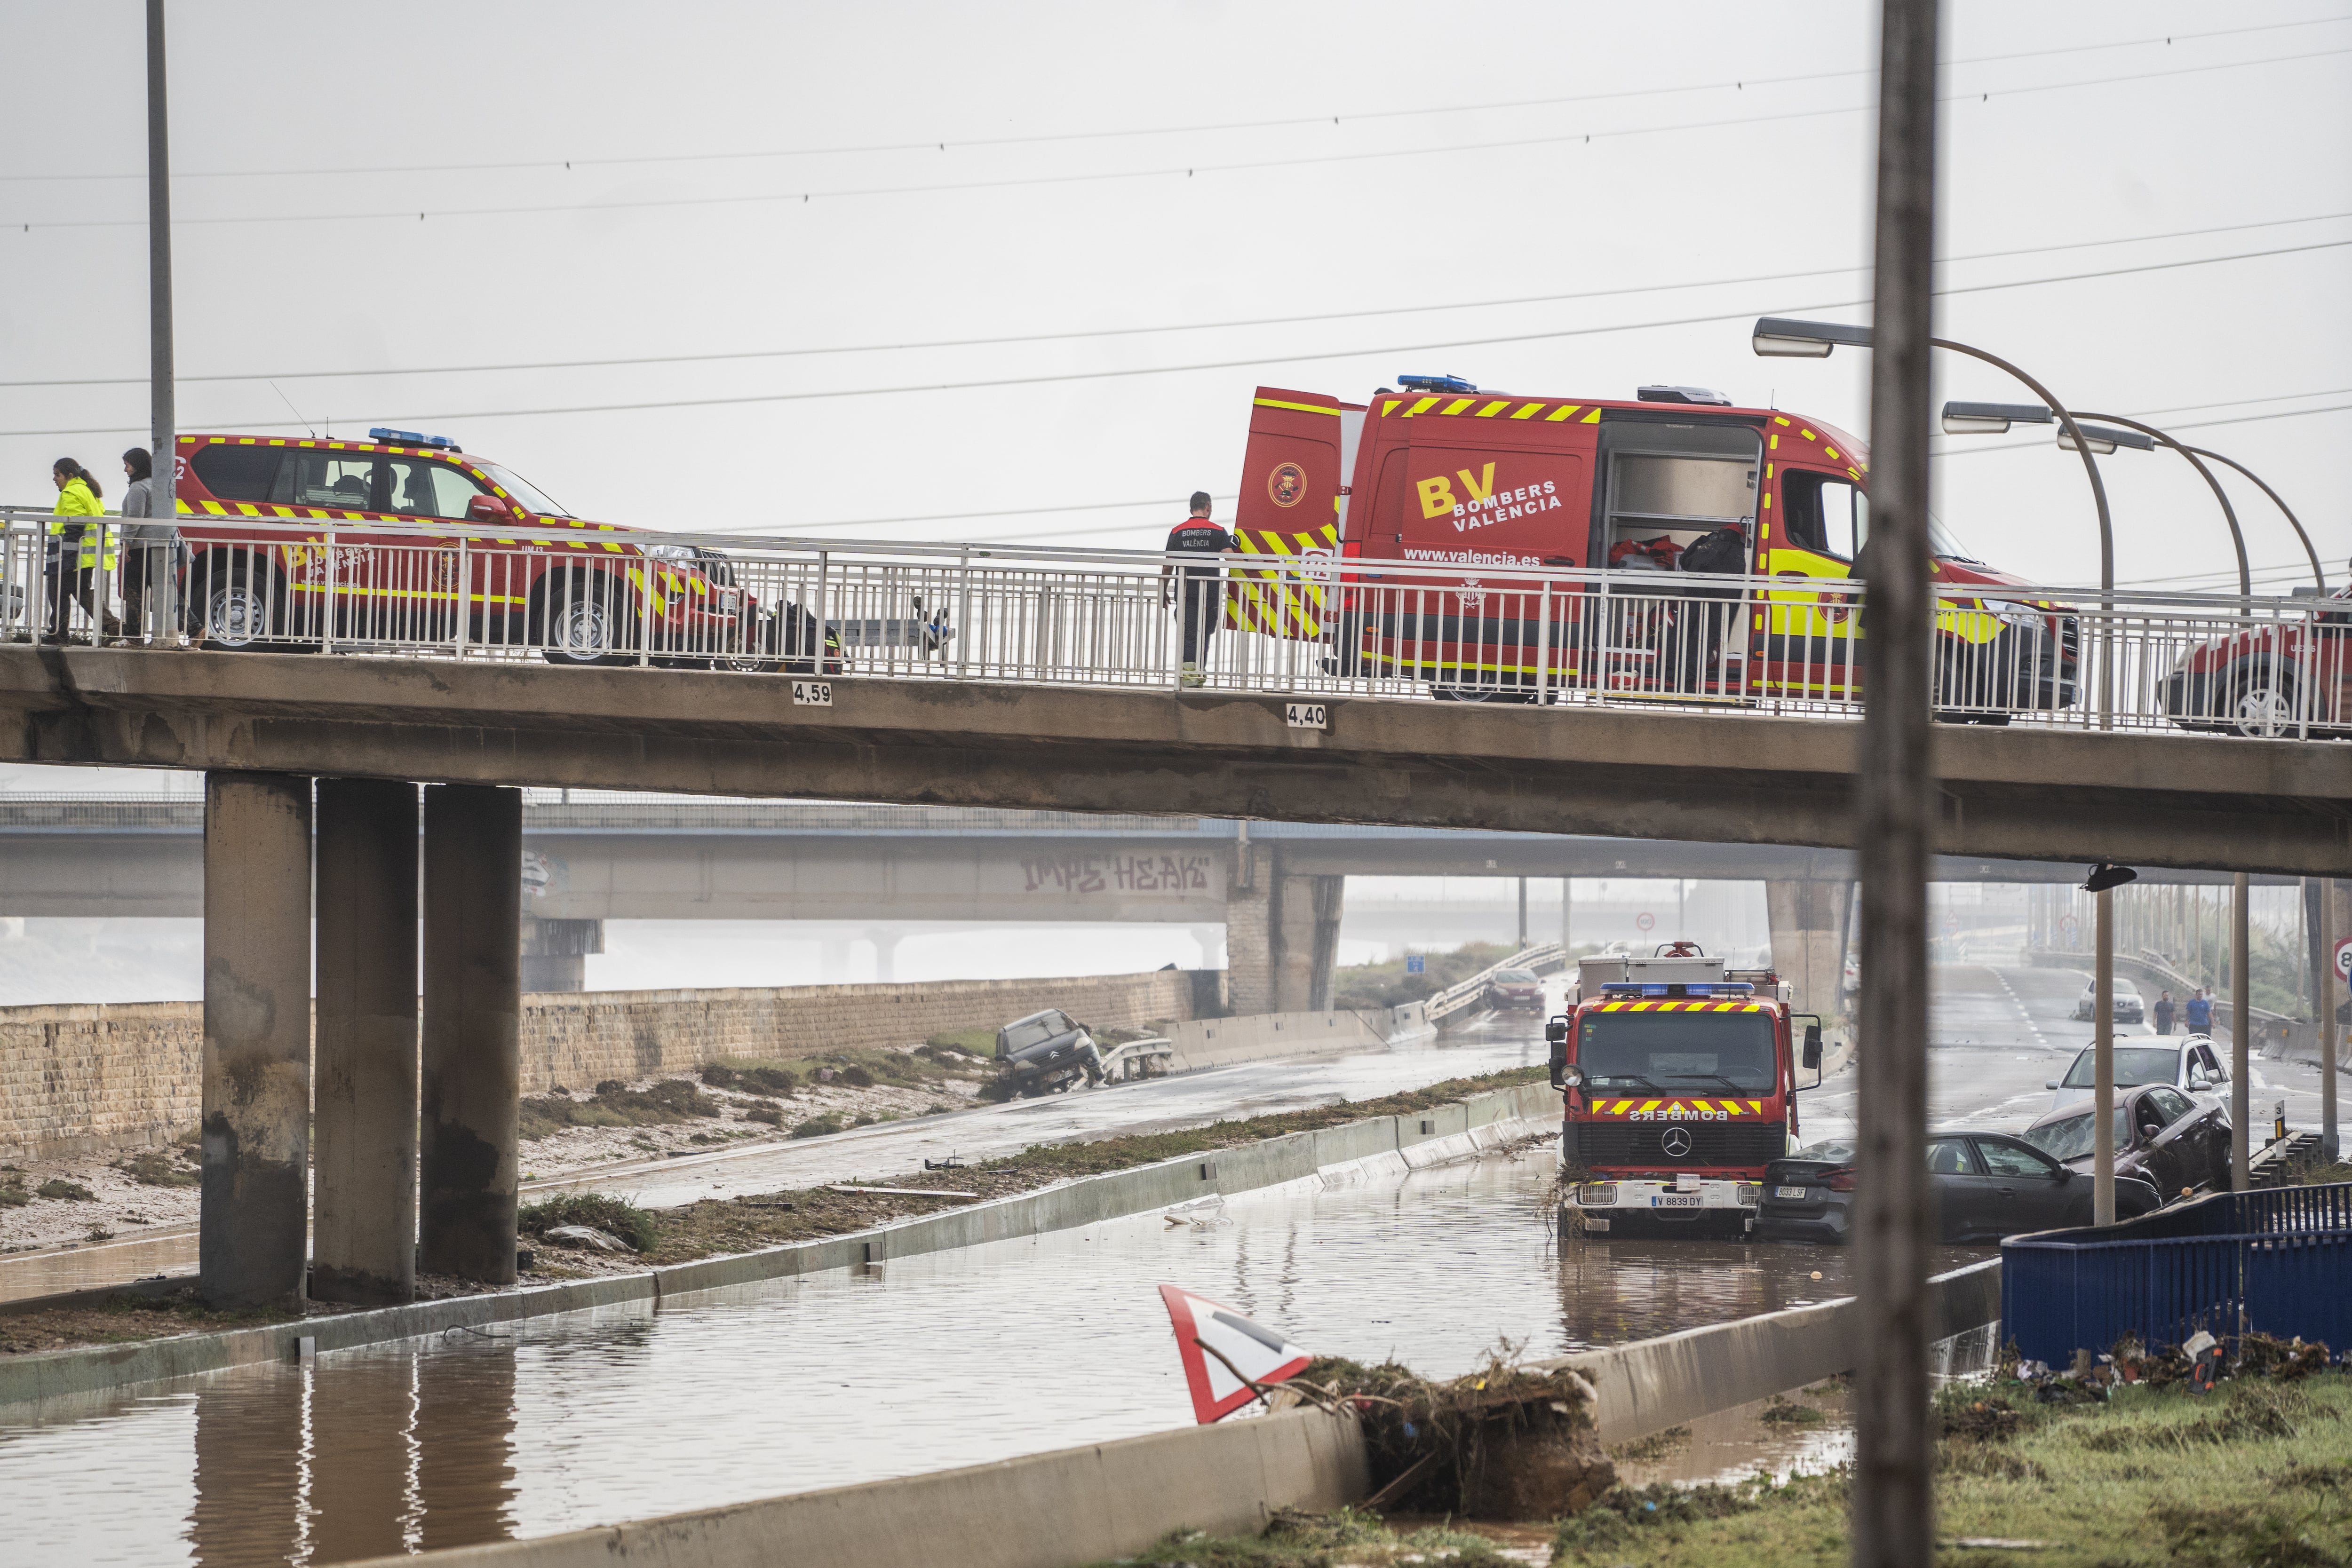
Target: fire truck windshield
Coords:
[(1677, 1052), (534, 500)]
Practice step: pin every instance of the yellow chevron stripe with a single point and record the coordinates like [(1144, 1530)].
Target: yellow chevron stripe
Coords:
[(1592, 418), (1296, 407), (1492, 409), (1421, 407), (1526, 408), (1565, 410)]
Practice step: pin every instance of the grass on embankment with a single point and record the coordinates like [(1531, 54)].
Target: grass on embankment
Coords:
[(2256, 1475)]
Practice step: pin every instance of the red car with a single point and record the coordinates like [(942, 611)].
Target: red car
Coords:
[(2275, 679), (431, 545)]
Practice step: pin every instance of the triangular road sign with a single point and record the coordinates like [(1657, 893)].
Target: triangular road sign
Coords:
[(1257, 1352)]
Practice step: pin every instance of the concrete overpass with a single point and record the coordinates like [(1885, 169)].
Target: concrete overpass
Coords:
[(430, 1089)]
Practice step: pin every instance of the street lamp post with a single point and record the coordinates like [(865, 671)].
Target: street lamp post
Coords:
[(165, 479), (1782, 337)]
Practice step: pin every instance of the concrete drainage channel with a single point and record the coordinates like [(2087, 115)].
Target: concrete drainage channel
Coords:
[(1110, 1499), (1385, 1143)]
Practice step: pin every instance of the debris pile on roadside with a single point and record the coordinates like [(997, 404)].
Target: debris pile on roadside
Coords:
[(2200, 1361), (1505, 1443)]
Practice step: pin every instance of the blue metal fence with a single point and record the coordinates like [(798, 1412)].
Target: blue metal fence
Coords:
[(2277, 1260)]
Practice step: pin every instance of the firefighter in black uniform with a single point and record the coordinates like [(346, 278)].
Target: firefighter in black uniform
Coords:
[(1203, 600)]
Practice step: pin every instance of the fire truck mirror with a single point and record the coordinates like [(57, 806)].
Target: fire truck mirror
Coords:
[(1555, 1030), (1813, 1047)]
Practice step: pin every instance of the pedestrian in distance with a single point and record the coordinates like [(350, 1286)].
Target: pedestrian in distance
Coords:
[(1203, 604), (2199, 1012), (81, 554), (147, 567), (2164, 1012)]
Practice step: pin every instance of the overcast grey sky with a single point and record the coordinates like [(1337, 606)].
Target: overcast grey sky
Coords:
[(1729, 147)]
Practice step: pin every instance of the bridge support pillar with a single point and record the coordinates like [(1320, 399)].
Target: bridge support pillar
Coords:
[(471, 1089), (254, 1206), (555, 953), (1808, 921), (1306, 941), (364, 1245)]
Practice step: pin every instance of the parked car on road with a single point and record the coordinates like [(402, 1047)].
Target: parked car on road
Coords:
[(2188, 1062), (2127, 1005), (1515, 988), (1986, 1186), (2162, 1136)]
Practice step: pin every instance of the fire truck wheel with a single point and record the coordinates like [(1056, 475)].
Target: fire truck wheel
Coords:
[(232, 615), (591, 626), (1481, 693)]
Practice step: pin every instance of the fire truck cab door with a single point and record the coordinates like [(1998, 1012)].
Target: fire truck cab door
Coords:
[(1293, 502), (1819, 519)]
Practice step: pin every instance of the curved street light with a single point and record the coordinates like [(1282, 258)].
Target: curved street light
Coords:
[(1780, 337), (2319, 575)]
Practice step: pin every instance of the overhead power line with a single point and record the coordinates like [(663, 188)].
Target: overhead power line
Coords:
[(1165, 172), (1257, 362), (1040, 138), (1089, 333)]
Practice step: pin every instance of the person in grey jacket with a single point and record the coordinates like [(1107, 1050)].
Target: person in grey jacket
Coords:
[(147, 566)]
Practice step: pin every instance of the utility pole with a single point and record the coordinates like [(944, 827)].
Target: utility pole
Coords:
[(1893, 1511), (2328, 1146), (1566, 904), (1523, 916), (2241, 1033), (165, 485), (2102, 1059)]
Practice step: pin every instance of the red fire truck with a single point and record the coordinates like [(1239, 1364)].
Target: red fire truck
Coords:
[(1681, 1079), (409, 538), (1472, 482)]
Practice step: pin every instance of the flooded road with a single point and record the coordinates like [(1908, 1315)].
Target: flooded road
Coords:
[(951, 1359), (895, 1149)]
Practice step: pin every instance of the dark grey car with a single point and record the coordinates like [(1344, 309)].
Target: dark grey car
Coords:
[(1985, 1185), (1047, 1051)]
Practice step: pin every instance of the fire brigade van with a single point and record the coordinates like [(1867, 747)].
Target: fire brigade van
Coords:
[(1444, 485), (413, 540), (1681, 1078)]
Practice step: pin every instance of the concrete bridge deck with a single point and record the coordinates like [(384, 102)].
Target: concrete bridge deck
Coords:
[(2016, 793)]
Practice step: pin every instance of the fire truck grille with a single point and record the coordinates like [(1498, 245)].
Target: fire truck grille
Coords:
[(1612, 1143)]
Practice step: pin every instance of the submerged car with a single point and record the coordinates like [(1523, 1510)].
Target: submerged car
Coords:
[(2189, 1063), (2162, 1136), (1514, 988), (2127, 1005), (1986, 1186)]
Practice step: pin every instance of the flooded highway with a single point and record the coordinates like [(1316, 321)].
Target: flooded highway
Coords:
[(949, 1359)]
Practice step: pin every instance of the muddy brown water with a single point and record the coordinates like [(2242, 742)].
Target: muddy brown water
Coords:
[(922, 1364)]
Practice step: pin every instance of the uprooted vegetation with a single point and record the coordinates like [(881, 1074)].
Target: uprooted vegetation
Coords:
[(1354, 1537), (152, 1167), (633, 1227)]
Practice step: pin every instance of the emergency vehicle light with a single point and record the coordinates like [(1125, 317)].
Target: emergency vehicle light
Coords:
[(1695, 989), (410, 438), (1436, 384)]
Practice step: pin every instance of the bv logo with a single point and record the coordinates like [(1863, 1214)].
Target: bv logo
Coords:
[(1676, 1143), (1437, 491), (1286, 485)]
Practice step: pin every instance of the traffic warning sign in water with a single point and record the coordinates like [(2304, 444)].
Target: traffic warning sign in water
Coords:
[(1220, 1348)]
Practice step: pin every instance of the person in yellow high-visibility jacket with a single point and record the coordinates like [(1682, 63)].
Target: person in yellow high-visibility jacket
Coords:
[(86, 578)]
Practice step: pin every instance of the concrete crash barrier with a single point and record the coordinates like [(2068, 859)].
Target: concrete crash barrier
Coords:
[(1046, 1510), (1653, 1384), (1222, 1043), (1386, 1145)]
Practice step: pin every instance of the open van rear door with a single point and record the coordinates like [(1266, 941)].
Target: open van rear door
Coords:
[(1294, 505)]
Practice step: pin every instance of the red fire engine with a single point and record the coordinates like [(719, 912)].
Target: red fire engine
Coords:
[(1473, 482), (412, 539), (1681, 1079)]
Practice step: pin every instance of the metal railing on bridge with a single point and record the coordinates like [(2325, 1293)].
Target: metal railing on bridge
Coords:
[(2279, 1262), (1478, 628)]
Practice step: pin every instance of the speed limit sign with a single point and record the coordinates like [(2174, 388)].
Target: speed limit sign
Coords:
[(1643, 921), (2344, 959)]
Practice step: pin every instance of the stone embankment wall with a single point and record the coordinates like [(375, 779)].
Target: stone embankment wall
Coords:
[(86, 1079)]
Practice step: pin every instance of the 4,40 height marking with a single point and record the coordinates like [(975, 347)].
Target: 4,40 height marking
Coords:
[(1306, 715)]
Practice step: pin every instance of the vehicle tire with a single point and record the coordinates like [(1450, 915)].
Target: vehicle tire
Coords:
[(1483, 694), (229, 614), (758, 656), (591, 626), (2260, 704)]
